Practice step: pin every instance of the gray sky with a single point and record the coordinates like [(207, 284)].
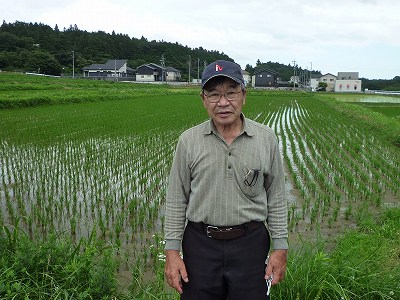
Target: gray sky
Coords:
[(331, 36)]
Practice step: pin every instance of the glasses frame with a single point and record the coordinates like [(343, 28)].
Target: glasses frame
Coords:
[(224, 94), (251, 177)]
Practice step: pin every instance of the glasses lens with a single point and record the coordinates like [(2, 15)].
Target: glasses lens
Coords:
[(231, 96), (214, 97)]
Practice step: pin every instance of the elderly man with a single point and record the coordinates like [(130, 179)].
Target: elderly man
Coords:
[(226, 199)]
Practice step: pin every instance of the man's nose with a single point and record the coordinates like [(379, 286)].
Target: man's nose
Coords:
[(223, 100)]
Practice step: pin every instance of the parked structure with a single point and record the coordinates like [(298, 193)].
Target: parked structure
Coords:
[(113, 68), (153, 72)]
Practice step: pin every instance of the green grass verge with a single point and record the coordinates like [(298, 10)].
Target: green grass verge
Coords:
[(54, 268), (364, 264)]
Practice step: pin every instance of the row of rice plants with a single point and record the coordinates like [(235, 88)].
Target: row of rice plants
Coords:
[(79, 187), (324, 171)]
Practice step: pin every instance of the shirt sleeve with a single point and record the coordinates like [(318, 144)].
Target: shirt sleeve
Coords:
[(178, 191), (277, 204)]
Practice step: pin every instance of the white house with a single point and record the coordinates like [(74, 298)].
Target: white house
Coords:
[(172, 74), (154, 72), (348, 82), (246, 77), (330, 80), (112, 68)]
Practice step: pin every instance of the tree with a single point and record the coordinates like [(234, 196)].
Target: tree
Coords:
[(322, 86), (41, 62)]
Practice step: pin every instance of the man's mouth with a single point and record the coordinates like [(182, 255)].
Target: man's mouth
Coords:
[(224, 113)]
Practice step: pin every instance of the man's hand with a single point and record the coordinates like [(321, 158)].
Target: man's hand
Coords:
[(276, 265), (175, 270)]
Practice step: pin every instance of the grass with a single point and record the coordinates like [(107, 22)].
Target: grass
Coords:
[(364, 264), (378, 123), (28, 91), (387, 109), (54, 268)]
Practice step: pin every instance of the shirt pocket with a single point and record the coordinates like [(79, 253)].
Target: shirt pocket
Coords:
[(251, 181)]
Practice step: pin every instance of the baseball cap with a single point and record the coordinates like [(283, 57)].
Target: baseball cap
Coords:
[(222, 68)]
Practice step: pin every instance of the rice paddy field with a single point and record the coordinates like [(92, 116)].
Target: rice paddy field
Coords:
[(83, 173)]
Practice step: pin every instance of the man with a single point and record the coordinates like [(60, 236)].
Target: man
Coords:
[(225, 199)]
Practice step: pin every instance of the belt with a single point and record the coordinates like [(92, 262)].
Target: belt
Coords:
[(226, 232)]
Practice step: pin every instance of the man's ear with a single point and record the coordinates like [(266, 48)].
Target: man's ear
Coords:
[(244, 96), (202, 98)]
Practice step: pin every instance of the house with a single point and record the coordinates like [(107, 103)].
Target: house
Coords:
[(328, 78), (314, 80), (295, 79), (246, 77), (112, 68), (172, 74), (265, 78), (153, 72), (347, 82)]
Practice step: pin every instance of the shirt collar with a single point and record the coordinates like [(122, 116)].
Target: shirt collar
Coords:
[(246, 129)]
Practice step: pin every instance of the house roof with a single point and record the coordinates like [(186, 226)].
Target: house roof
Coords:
[(151, 66), (171, 69), (109, 65), (266, 70), (328, 74), (158, 67)]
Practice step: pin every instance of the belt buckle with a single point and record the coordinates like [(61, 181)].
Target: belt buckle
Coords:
[(209, 228)]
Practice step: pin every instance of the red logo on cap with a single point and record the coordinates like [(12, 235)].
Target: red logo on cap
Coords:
[(218, 68)]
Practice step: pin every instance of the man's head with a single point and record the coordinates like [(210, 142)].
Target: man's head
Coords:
[(222, 68), (223, 93)]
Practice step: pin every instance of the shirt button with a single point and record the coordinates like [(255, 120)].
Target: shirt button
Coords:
[(229, 167), (229, 154)]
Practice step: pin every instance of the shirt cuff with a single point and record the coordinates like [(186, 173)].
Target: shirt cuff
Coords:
[(173, 245), (280, 244)]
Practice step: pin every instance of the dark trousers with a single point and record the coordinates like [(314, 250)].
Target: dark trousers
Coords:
[(225, 269)]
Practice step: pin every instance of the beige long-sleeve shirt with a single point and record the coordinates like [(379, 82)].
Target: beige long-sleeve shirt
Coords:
[(226, 185)]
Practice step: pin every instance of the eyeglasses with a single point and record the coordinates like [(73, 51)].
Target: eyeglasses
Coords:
[(251, 177), (215, 97)]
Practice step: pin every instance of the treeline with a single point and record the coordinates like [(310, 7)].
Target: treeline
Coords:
[(36, 47), (382, 84), (285, 71)]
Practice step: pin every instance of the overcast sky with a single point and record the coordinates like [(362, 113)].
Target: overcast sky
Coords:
[(331, 36)]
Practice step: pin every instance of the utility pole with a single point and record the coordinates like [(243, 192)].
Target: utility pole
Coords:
[(189, 67), (294, 73), (115, 69), (73, 63), (162, 61), (198, 70)]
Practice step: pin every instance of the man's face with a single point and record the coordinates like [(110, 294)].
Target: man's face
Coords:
[(224, 112)]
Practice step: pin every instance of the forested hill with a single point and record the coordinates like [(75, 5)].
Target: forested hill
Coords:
[(30, 46)]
